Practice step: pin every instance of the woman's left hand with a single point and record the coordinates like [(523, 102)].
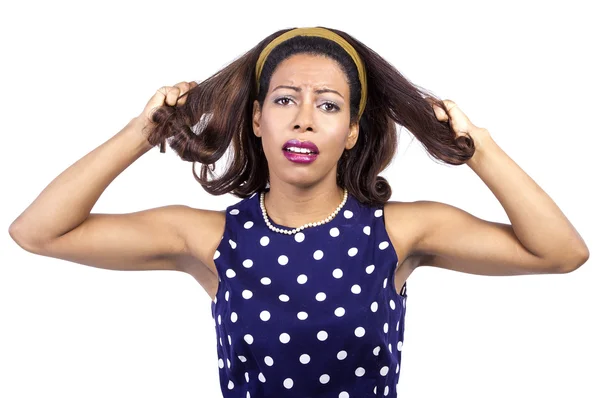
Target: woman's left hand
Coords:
[(460, 123)]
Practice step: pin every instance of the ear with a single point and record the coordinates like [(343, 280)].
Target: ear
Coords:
[(256, 118), (352, 136)]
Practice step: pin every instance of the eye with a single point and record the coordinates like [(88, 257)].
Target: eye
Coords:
[(282, 98), (333, 106)]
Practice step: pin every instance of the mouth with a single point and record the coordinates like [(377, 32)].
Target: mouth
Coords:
[(300, 151), (301, 147)]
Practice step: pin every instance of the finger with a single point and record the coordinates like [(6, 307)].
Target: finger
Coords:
[(440, 114), (455, 112), (184, 87), (172, 95)]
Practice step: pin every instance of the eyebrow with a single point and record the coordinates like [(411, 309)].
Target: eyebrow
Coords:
[(317, 91)]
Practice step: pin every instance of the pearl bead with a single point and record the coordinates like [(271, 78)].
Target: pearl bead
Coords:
[(295, 230)]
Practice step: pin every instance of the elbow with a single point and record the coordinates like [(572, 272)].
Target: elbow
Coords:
[(20, 239), (578, 258)]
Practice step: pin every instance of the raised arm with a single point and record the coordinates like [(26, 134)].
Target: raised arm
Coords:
[(59, 224)]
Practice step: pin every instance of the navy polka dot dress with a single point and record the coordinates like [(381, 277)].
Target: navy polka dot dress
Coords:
[(314, 314)]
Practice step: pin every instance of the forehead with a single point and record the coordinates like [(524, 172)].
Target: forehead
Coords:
[(310, 70)]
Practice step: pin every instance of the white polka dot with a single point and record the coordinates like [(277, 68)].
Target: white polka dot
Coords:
[(284, 297), (317, 255), (261, 377), (385, 327), (230, 273), (398, 368), (359, 372), (248, 338), (386, 390), (320, 296), (302, 315), (342, 355), (232, 244), (348, 214), (246, 294), (322, 335), (234, 212), (367, 230), (221, 364), (265, 281), (398, 326), (400, 346), (284, 338), (230, 385), (247, 263), (335, 232), (283, 260), (299, 237), (216, 255), (376, 350), (339, 311), (344, 394), (228, 363), (337, 273), (370, 269), (268, 361), (219, 319), (302, 279), (288, 383), (324, 379), (234, 317), (359, 331), (384, 245), (248, 224), (384, 283), (229, 339), (392, 304), (355, 289), (352, 252), (304, 359), (264, 240), (374, 306), (242, 358), (384, 371), (247, 378), (378, 213), (265, 315), (227, 295)]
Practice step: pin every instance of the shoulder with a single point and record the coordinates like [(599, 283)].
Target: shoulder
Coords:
[(407, 223), (202, 230)]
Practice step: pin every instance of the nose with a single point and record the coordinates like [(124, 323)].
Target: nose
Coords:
[(304, 117)]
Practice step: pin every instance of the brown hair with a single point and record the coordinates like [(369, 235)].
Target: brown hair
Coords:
[(217, 115)]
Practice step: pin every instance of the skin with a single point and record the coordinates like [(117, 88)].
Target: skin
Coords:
[(303, 193), (58, 223)]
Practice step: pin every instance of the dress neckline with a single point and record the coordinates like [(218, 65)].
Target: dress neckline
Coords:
[(276, 225)]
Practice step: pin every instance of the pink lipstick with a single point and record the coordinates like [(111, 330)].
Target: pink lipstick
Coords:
[(300, 151)]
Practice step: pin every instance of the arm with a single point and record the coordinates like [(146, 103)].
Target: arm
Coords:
[(540, 240), (59, 224)]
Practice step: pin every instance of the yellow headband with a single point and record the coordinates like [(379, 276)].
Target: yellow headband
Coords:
[(327, 34)]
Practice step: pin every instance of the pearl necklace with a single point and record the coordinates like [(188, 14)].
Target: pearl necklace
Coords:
[(310, 224)]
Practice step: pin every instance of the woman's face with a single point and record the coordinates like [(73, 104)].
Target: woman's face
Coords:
[(300, 113)]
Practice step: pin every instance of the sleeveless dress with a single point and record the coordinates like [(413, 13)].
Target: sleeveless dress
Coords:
[(314, 314)]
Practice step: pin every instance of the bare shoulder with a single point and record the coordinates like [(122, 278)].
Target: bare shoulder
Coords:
[(404, 225), (202, 231)]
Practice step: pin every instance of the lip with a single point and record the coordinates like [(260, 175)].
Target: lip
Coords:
[(301, 144)]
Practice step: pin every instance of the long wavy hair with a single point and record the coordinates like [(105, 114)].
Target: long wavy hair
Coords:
[(217, 116)]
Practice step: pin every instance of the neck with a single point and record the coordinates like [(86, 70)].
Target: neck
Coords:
[(292, 207)]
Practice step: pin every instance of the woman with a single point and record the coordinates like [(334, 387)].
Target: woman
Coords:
[(307, 273)]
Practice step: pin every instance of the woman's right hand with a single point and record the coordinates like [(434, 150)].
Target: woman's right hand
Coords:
[(166, 95)]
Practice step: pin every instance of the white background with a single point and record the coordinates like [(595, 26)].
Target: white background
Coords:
[(74, 73)]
